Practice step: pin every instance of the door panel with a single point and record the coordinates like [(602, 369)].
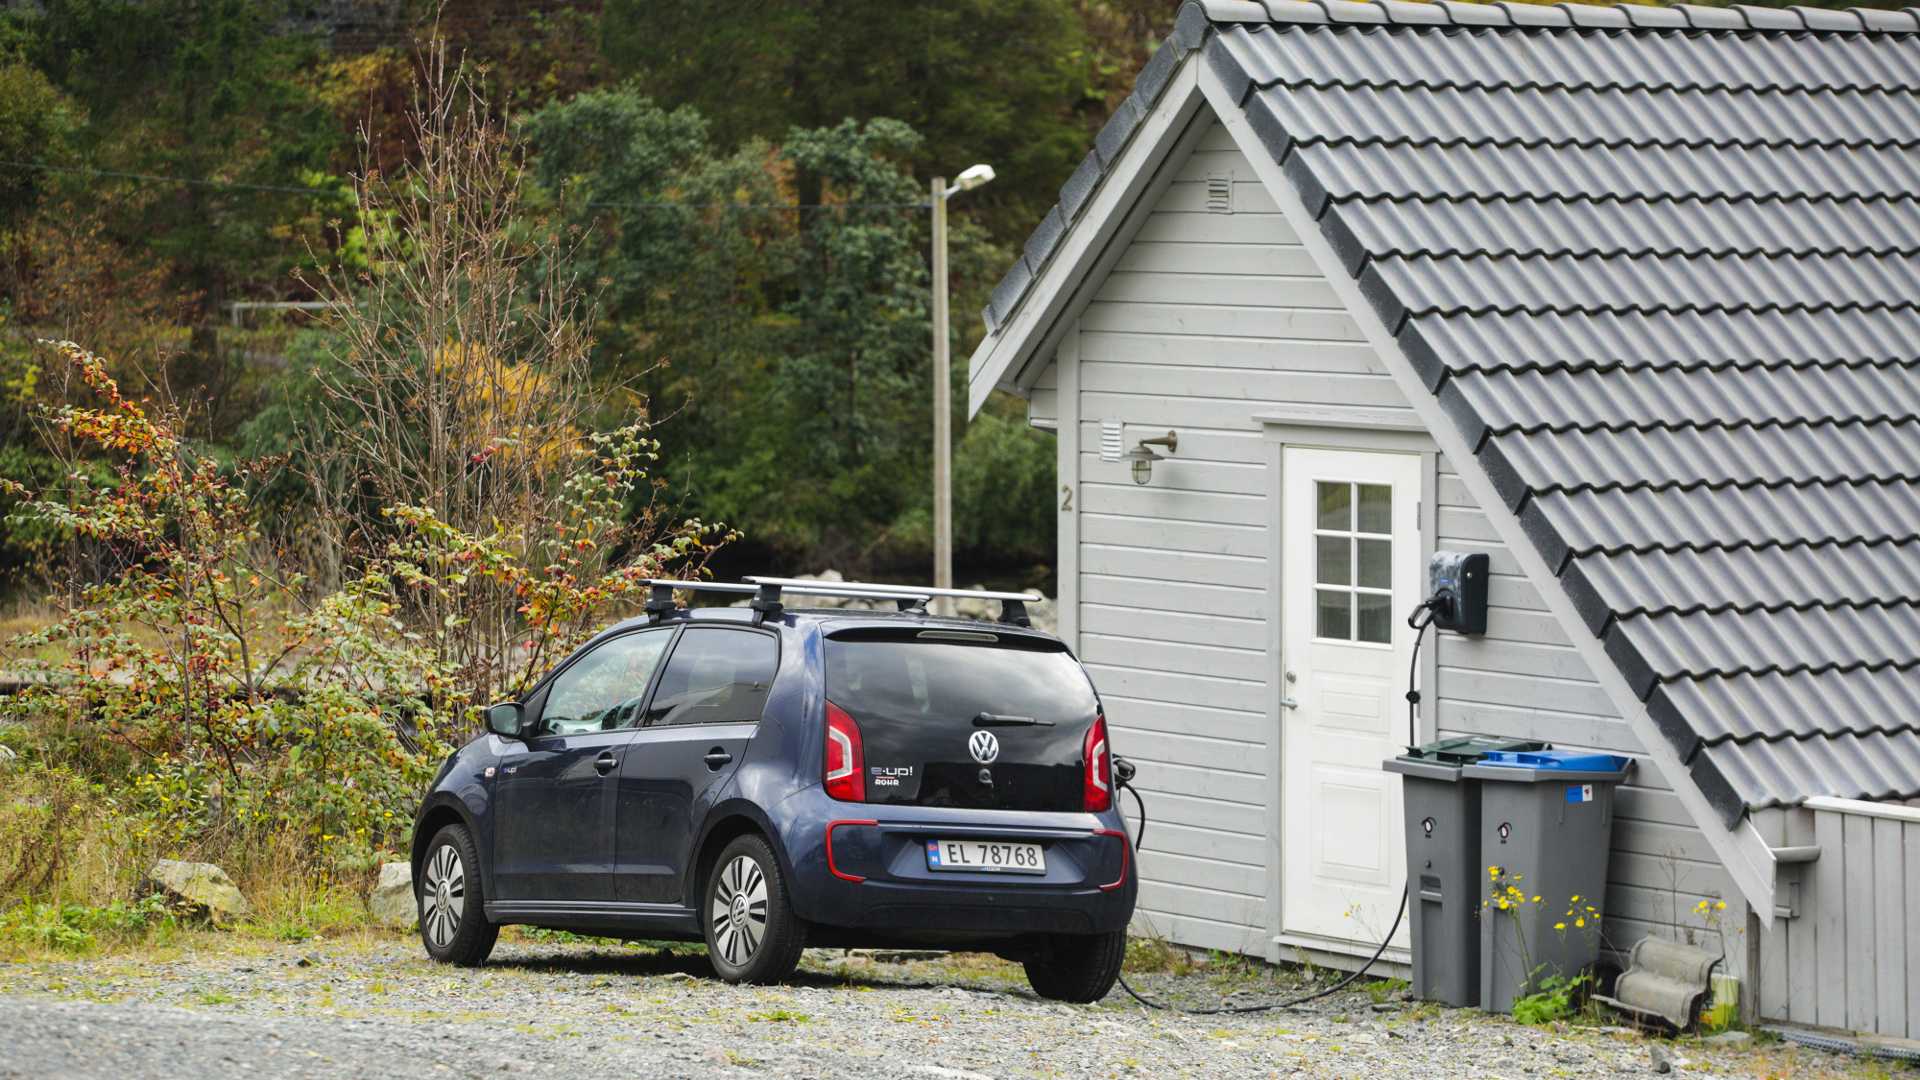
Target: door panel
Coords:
[(700, 717), (554, 818), (1350, 571), (554, 797), (663, 785)]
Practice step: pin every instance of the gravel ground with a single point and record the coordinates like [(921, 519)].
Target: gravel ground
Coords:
[(230, 1006)]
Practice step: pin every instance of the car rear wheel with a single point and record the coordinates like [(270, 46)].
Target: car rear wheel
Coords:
[(1080, 968), (453, 919), (752, 934)]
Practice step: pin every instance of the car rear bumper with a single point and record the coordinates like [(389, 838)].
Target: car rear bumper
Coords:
[(863, 867)]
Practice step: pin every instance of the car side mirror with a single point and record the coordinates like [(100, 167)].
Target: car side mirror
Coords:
[(505, 719)]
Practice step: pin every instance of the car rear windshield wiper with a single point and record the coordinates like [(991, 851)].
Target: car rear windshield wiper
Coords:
[(987, 719)]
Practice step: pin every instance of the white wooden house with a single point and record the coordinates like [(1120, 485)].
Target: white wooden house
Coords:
[(1624, 298)]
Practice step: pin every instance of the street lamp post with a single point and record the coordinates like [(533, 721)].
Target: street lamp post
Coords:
[(972, 178)]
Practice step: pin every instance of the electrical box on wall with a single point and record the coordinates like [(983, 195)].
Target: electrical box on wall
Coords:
[(1457, 582)]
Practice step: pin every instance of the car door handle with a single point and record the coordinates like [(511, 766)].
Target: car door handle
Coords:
[(717, 757), (605, 762)]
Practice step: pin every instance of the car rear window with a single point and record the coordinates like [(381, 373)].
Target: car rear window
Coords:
[(919, 697)]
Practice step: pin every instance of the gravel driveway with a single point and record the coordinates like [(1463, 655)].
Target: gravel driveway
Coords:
[(232, 1007)]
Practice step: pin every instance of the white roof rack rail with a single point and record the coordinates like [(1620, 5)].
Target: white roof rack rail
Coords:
[(1013, 605)]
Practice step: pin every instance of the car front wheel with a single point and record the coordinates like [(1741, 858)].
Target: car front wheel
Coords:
[(752, 934), (453, 920), (1080, 968)]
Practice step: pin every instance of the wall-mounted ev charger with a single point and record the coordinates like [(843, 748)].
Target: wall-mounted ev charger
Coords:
[(1457, 587)]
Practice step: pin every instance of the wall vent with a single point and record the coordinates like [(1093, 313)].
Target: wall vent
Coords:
[(1220, 193), (1112, 440)]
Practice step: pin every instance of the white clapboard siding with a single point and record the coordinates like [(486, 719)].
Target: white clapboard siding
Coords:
[(1850, 956), (1205, 321)]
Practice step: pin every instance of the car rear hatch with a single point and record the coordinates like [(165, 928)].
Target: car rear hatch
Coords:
[(964, 718)]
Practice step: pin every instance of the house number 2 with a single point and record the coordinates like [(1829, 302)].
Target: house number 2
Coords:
[(1066, 496)]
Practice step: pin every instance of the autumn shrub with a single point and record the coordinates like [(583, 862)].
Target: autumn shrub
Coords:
[(202, 701)]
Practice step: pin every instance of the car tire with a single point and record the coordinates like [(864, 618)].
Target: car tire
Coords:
[(453, 916), (752, 934), (1079, 968)]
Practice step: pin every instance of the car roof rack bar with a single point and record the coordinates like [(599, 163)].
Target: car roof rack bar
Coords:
[(660, 593), (767, 592), (1013, 606)]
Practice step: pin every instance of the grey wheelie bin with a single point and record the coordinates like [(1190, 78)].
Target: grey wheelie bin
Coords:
[(1444, 875), (1546, 826)]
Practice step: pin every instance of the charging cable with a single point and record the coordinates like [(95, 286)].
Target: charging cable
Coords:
[(1123, 772)]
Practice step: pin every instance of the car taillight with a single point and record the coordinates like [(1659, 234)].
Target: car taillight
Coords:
[(846, 763), (1098, 762)]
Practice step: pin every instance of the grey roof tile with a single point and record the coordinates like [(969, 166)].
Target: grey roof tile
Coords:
[(1844, 765), (1748, 339), (1118, 130), (1651, 16), (1045, 238), (1584, 226), (1761, 18), (1007, 295), (1744, 708), (1079, 187), (1536, 401), (1614, 520)]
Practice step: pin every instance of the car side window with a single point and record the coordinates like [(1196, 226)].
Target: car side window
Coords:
[(715, 676), (603, 690)]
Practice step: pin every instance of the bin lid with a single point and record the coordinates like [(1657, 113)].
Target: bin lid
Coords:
[(1467, 749), (1555, 760)]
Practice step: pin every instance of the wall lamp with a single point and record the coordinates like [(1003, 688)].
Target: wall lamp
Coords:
[(1143, 456)]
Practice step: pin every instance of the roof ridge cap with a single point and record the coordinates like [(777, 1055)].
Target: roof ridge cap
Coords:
[(1564, 15)]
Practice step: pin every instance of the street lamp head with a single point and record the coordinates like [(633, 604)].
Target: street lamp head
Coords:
[(972, 177)]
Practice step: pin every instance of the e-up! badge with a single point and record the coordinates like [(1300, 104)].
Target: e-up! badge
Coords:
[(1579, 792)]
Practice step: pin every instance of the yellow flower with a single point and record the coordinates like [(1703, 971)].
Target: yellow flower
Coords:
[(1536, 899), (1576, 898), (1559, 926), (1582, 921), (1720, 905)]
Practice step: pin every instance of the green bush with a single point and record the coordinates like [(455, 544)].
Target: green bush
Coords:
[(81, 927)]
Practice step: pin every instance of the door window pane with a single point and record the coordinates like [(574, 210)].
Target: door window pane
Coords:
[(715, 676), (1376, 508), (1333, 613), (603, 690), (1376, 563), (1375, 618), (1332, 559), (1336, 501)]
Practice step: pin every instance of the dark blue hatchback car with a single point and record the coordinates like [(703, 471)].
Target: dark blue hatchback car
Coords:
[(767, 778)]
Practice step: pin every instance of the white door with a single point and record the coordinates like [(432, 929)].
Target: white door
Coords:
[(1350, 571)]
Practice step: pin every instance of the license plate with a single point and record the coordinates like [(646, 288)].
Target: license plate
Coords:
[(986, 856)]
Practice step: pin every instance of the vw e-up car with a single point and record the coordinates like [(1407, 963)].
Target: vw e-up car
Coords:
[(766, 779)]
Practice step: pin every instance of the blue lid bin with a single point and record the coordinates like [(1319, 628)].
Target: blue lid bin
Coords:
[(1546, 830)]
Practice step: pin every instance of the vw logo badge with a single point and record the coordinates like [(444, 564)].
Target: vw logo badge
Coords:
[(984, 747)]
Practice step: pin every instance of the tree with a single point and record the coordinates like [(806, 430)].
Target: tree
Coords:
[(1009, 82)]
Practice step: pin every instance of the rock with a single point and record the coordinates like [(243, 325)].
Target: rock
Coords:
[(392, 902), (1662, 1058), (1728, 1038), (198, 891)]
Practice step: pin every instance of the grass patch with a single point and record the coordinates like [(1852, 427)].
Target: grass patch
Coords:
[(36, 929), (1381, 991), (1157, 956)]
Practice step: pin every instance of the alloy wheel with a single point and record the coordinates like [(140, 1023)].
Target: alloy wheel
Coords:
[(443, 896), (739, 913)]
